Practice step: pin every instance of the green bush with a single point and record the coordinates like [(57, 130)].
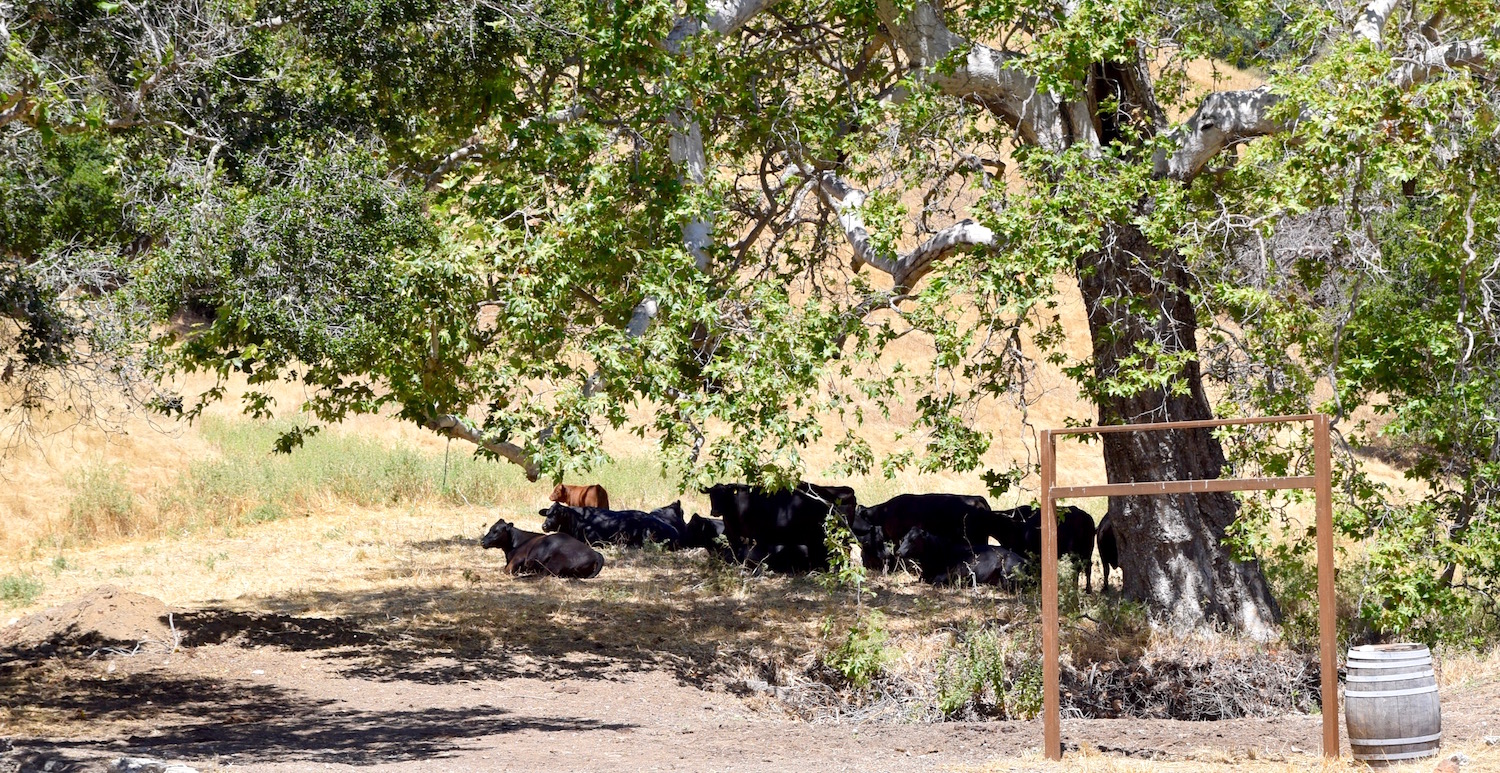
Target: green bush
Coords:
[(983, 672), (862, 656), (18, 590)]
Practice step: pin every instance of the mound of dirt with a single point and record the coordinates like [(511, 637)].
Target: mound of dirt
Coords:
[(106, 615)]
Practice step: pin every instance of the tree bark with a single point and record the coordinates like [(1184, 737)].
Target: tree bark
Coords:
[(1172, 551)]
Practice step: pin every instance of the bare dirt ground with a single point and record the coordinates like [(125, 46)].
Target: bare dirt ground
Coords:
[(268, 692), (497, 673)]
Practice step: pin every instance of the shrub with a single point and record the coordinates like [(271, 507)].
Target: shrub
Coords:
[(18, 590), (983, 674), (862, 656)]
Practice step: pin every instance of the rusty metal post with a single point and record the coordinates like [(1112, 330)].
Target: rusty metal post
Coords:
[(1051, 691), (1327, 600)]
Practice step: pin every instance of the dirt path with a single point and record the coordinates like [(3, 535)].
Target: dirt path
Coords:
[(255, 706)]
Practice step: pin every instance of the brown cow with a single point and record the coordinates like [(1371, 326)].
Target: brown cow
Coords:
[(592, 495)]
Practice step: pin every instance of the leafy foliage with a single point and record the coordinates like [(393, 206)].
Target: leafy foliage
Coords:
[(473, 216), (862, 655)]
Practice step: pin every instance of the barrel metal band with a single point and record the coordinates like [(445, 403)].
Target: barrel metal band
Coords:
[(1402, 664), (1389, 693), (1392, 677), (1410, 652), (1398, 756), (1394, 741)]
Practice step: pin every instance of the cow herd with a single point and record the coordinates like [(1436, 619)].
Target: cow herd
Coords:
[(946, 538)]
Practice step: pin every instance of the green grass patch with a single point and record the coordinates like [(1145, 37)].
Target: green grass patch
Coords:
[(19, 590), (250, 484), (101, 504)]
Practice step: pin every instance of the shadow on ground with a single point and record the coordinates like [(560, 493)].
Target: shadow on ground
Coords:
[(196, 717), (683, 613)]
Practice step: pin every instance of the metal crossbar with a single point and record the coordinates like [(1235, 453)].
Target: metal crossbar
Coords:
[(1321, 481)]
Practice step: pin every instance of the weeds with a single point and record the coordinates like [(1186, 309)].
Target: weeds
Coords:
[(983, 674), (863, 654), (102, 505), (19, 590)]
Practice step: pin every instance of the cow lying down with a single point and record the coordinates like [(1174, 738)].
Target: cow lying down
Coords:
[(598, 526), (943, 561), (527, 552), (707, 533)]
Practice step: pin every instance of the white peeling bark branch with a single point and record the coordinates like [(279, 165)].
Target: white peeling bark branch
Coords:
[(1371, 22), (723, 17), (1466, 53), (686, 143), (905, 270), (1224, 118), (982, 74), (456, 427), (686, 148), (1227, 117)]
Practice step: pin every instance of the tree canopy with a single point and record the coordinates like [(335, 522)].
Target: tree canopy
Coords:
[(515, 221)]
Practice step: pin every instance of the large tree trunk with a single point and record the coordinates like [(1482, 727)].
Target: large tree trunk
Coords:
[(1172, 553)]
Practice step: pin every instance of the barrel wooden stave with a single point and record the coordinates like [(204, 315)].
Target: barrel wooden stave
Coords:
[(1391, 703)]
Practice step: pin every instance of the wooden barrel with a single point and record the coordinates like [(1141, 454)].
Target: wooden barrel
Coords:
[(1391, 703)]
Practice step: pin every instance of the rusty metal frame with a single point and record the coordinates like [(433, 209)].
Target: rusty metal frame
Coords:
[(1321, 481)]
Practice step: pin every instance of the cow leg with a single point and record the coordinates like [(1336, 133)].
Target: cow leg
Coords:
[(1088, 576)]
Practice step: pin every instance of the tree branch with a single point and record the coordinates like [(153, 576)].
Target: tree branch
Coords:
[(723, 17), (1465, 53), (908, 269), (475, 146), (1224, 118), (981, 75), (452, 426), (455, 427), (1371, 22)]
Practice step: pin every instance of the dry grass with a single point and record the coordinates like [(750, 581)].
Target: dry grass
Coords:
[(1482, 759)]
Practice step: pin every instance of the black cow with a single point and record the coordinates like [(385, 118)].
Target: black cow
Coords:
[(1109, 548), (781, 530), (634, 528), (707, 533), (955, 517), (943, 561), (1020, 530), (527, 552)]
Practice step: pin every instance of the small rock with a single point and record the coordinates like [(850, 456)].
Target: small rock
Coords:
[(1446, 766), (148, 765), (1492, 740)]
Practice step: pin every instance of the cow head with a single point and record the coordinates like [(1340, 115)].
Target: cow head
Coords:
[(915, 544), (727, 499), (558, 517), (670, 512), (559, 492), (502, 535), (702, 532)]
